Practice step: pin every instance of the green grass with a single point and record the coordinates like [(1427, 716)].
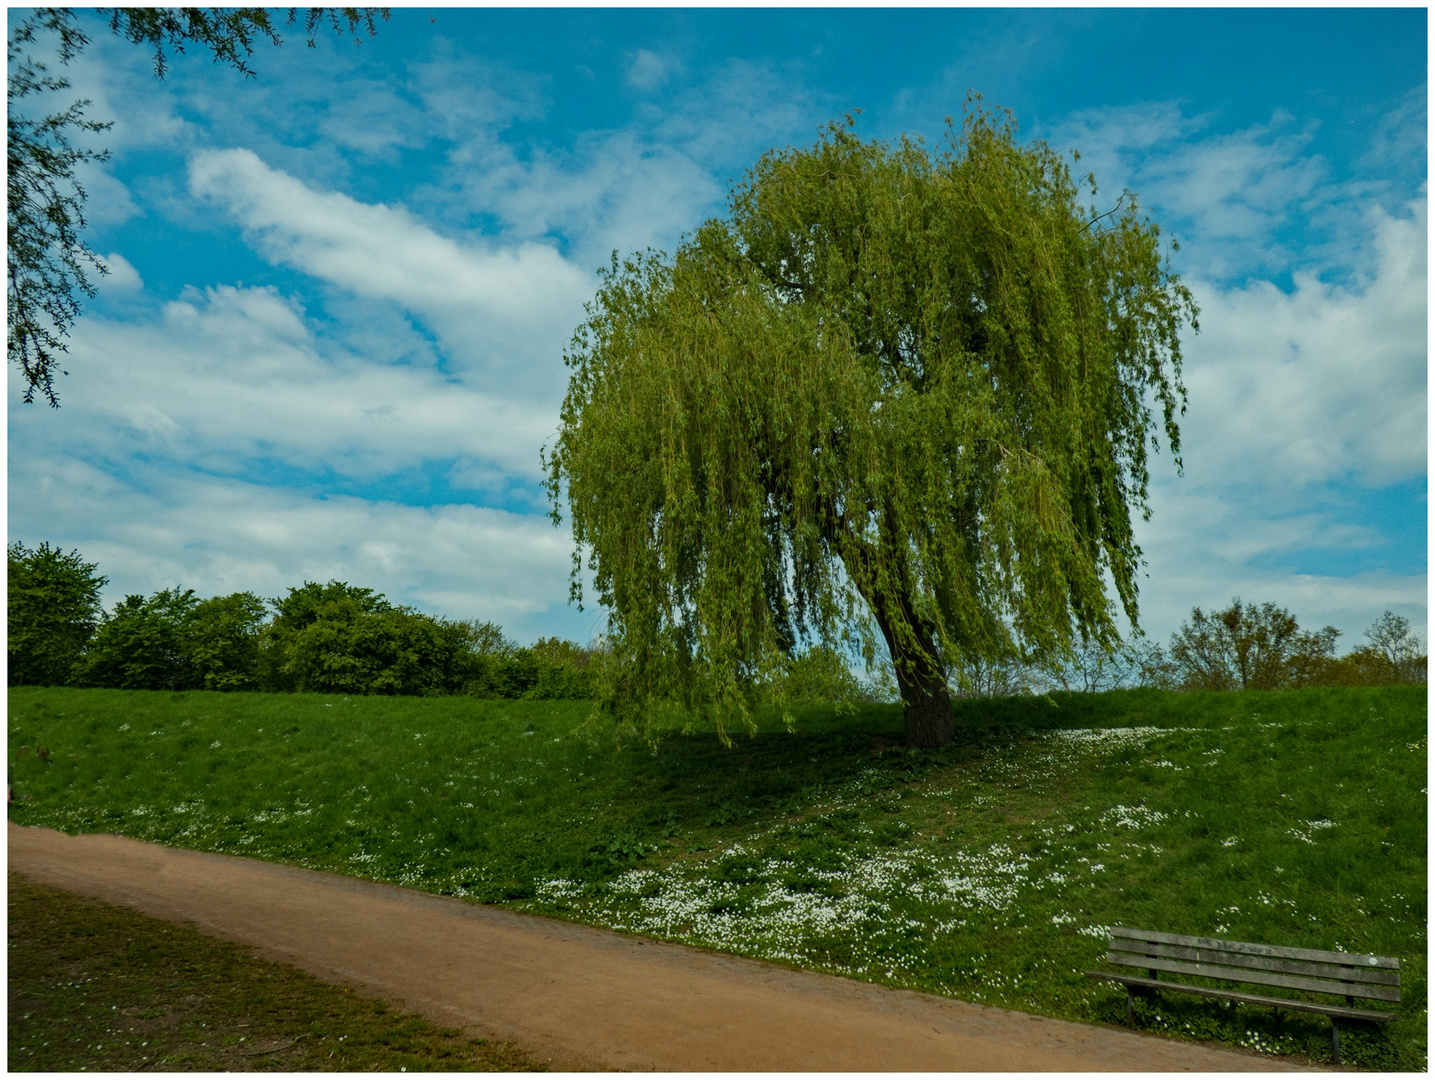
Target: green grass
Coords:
[(989, 870), (99, 988)]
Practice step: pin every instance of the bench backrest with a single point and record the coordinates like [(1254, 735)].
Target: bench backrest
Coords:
[(1351, 975)]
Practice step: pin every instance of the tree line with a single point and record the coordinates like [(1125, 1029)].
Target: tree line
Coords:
[(341, 638), (330, 638), (1244, 646)]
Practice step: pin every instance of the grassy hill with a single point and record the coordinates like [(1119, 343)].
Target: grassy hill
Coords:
[(989, 870)]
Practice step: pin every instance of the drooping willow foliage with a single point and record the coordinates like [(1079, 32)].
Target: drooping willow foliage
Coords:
[(891, 387)]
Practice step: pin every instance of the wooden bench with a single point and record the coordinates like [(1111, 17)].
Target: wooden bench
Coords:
[(1347, 975)]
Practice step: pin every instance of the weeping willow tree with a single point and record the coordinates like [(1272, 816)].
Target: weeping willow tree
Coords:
[(892, 392)]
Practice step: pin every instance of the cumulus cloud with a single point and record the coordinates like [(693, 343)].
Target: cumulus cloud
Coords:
[(502, 308), (1299, 400), (1308, 380), (1321, 383), (229, 375), (647, 70), (1204, 547), (122, 276)]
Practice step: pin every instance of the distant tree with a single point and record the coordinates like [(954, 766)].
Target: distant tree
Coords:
[(220, 642), (1243, 647), (1252, 647), (47, 260), (1090, 668), (54, 606), (1391, 654), (821, 675), (562, 653), (990, 676), (140, 644), (1390, 635), (1157, 669), (1312, 660), (488, 639), (339, 638), (892, 396), (490, 651), (565, 669)]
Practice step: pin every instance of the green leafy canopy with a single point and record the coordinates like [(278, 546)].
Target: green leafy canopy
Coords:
[(890, 386)]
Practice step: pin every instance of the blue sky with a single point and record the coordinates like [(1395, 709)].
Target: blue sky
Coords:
[(331, 346)]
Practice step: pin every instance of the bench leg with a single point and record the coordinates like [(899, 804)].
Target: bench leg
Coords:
[(1130, 1012), (1335, 1039)]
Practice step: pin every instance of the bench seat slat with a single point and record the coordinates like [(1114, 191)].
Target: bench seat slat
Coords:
[(1341, 973), (1257, 978), (1256, 949), (1338, 1011)]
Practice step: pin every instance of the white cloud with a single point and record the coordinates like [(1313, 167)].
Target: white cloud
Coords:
[(616, 191), (467, 99), (375, 251), (500, 308), (625, 188), (107, 201), (1398, 139), (1226, 196), (122, 276), (1298, 401), (648, 70), (233, 375), (1203, 549), (739, 111), (117, 79), (370, 118), (1298, 397), (1318, 384)]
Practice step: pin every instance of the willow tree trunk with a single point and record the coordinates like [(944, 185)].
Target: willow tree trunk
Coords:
[(921, 679)]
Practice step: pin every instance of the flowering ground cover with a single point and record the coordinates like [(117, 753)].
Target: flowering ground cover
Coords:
[(990, 870)]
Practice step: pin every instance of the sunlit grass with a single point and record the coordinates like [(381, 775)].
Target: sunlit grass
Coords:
[(989, 871)]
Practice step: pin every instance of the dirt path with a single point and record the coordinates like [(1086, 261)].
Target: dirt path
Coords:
[(575, 996)]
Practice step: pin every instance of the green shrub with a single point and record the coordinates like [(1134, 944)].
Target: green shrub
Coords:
[(139, 646), (175, 641), (338, 638)]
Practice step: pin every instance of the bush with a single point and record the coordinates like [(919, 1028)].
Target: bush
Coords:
[(220, 645), (338, 638), (821, 675), (175, 641), (139, 645), (549, 669)]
